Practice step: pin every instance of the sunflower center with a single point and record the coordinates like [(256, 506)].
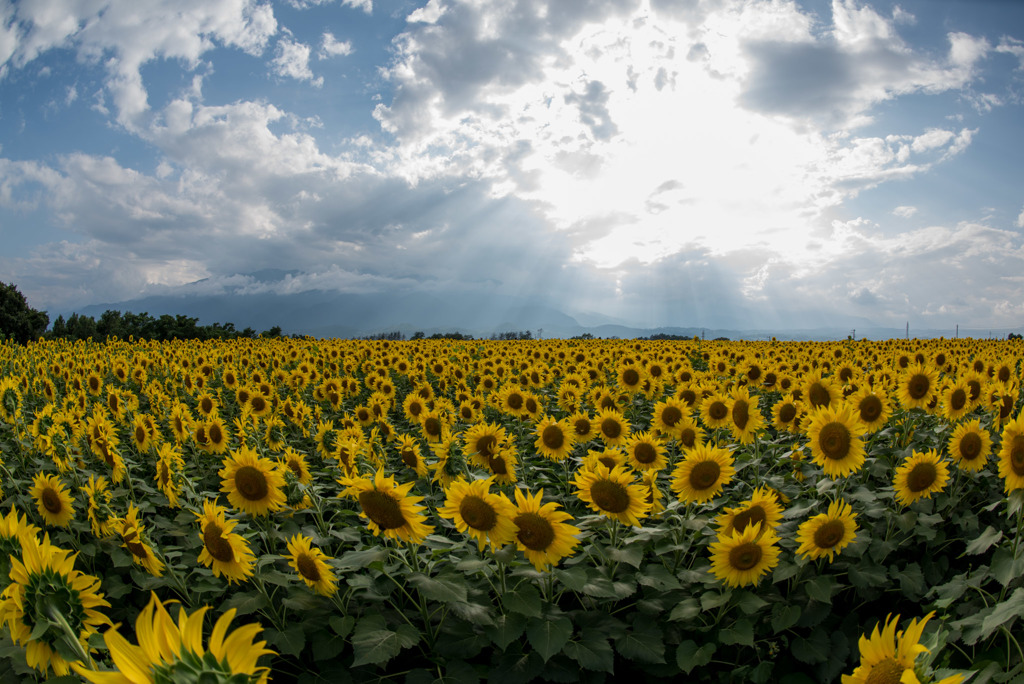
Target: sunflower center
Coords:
[(970, 446), (818, 395), (740, 414), (829, 534), (216, 545), (718, 410), (609, 496), (382, 509), (477, 513), (409, 458), (607, 461), (688, 437), (258, 403), (251, 483), (752, 516), (611, 428), (975, 388), (307, 567), (1017, 455), (140, 434), (497, 465), (958, 399), (645, 453), (582, 426), (515, 401), (215, 434), (918, 386), (745, 556), (671, 415), (535, 531), (553, 437), (886, 672), (1004, 374), (51, 501), (834, 441), (921, 477), (432, 426), (165, 474), (870, 408), (704, 475), (206, 405), (630, 377), (137, 548)]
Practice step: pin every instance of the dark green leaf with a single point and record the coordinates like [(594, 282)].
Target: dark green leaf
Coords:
[(984, 540), (1006, 568), (821, 588), (644, 642), (524, 599), (631, 555), (784, 616), (657, 577), (749, 602), (245, 603), (341, 625), (506, 629), (549, 635), (714, 599), (574, 578), (592, 651), (438, 589), (685, 610), (689, 655), (864, 576), (289, 642), (740, 632), (813, 649), (374, 647)]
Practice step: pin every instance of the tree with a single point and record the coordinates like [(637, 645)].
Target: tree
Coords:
[(19, 321)]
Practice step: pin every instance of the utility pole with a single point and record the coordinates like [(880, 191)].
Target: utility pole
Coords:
[(958, 331), (908, 330)]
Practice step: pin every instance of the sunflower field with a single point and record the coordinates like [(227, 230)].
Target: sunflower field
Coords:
[(511, 511)]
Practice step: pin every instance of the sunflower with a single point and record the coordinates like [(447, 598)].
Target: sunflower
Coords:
[(631, 378), (702, 473), (212, 436), (409, 452), (142, 437), (15, 530), (786, 414), (169, 467), (920, 476), (253, 484), (311, 564), (645, 452), (762, 508), (49, 607), (741, 558), (511, 400), (714, 411), (555, 438), (917, 386), (744, 415), (583, 428), (653, 494), (835, 439), (98, 496), (691, 435), (389, 508), (542, 533), (956, 400), (969, 445), (669, 416), (133, 538), (476, 511), (888, 656), (169, 652), (53, 501), (224, 551), (613, 493), (827, 534), (872, 407), (1011, 454), (819, 391), (432, 425), (181, 423), (502, 464), (483, 440), (612, 427)]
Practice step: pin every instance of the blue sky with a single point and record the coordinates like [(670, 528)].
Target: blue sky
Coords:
[(733, 163)]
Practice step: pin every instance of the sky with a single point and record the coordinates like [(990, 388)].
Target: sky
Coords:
[(743, 163)]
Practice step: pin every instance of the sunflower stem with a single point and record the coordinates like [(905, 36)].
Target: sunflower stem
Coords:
[(57, 618)]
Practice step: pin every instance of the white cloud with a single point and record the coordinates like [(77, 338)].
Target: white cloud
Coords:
[(428, 14), (292, 61), (332, 47), (1020, 219), (904, 211)]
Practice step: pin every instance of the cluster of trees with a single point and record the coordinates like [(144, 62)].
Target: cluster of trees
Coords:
[(22, 323)]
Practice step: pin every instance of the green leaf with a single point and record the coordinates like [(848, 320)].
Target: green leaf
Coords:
[(289, 642), (342, 625), (644, 643), (658, 577), (689, 655), (631, 555), (548, 636), (749, 602), (821, 588), (374, 647), (524, 599), (245, 603), (864, 576), (506, 629), (574, 578), (986, 539), (1006, 568), (362, 559), (783, 571), (741, 632), (784, 616), (476, 613), (813, 649), (438, 589), (714, 599), (592, 651), (686, 609), (911, 581), (1004, 614)]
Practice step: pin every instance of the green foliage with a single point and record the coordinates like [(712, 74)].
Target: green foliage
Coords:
[(19, 321)]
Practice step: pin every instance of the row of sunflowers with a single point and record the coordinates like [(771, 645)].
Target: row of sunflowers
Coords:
[(563, 510)]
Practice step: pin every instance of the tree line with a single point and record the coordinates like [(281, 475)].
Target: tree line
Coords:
[(21, 323)]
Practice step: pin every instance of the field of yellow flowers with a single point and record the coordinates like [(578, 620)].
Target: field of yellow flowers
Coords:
[(558, 510)]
